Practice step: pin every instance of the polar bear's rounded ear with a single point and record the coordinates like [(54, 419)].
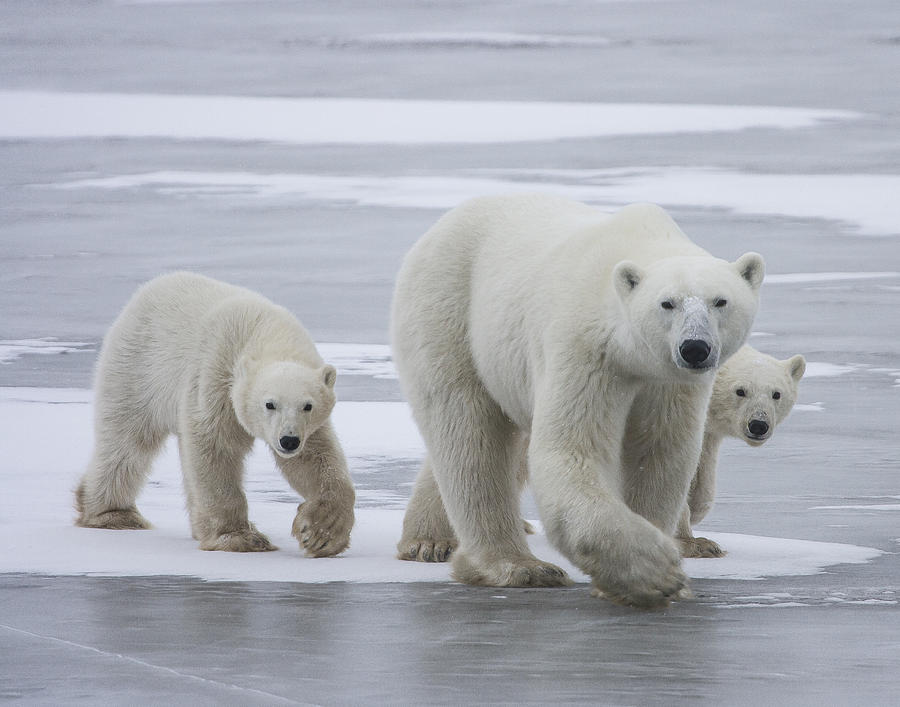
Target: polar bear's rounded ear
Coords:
[(626, 276), (796, 366), (752, 268), (329, 375)]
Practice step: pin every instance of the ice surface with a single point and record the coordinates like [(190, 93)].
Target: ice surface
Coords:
[(10, 350), (679, 106)]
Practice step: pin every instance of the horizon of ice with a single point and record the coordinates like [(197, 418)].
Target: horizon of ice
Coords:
[(37, 534), (874, 211), (34, 115)]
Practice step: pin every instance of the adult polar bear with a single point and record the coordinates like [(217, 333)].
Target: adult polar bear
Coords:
[(217, 365), (596, 335)]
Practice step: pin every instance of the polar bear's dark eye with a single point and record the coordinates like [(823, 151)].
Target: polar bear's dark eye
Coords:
[(270, 405), (776, 395), (721, 302), (307, 407), (667, 304), (741, 392)]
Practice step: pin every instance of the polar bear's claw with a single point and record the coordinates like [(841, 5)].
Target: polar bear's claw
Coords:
[(250, 540), (700, 547), (322, 528), (427, 551)]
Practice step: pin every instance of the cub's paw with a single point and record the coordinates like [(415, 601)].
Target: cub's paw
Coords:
[(700, 547), (249, 540), (519, 572), (118, 519), (646, 576), (426, 550), (322, 527)]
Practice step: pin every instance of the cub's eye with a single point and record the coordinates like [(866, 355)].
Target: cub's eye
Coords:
[(776, 395), (307, 407), (270, 405), (741, 392), (721, 302), (667, 304)]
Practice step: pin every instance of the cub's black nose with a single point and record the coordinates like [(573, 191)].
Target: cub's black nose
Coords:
[(694, 351), (289, 444), (758, 427)]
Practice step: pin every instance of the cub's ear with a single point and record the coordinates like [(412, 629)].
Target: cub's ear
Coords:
[(626, 276), (329, 375), (752, 268), (796, 366)]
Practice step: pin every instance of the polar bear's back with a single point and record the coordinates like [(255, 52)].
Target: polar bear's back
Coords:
[(482, 287), (183, 325)]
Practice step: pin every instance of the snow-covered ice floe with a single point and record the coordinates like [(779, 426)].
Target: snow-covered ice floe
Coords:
[(35, 115), (872, 211), (47, 442)]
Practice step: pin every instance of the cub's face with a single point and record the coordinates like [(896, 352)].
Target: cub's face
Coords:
[(283, 403), (752, 394), (687, 314)]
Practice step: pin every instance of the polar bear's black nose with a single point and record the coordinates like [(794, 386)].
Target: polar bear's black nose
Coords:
[(694, 351), (758, 427), (289, 444)]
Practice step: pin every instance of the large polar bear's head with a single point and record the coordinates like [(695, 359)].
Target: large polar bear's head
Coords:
[(686, 314), (283, 402), (752, 394)]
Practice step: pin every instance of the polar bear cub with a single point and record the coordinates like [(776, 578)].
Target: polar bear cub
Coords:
[(595, 336), (216, 365), (752, 395)]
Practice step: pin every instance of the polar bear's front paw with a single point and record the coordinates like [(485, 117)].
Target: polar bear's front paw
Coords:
[(247, 540), (650, 576), (700, 547), (426, 550), (519, 572), (322, 528)]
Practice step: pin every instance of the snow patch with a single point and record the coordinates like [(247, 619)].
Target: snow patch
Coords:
[(34, 115), (39, 472), (471, 40), (871, 211)]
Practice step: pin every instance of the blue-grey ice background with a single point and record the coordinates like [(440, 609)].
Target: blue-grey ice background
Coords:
[(299, 148)]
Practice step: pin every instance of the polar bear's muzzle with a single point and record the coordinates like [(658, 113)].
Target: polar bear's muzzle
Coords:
[(695, 350)]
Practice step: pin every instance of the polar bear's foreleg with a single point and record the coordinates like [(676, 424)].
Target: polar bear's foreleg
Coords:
[(214, 471), (578, 478), (475, 452), (319, 473), (427, 533), (700, 500)]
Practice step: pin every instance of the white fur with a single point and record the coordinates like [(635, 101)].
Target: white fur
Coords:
[(751, 396), (537, 316), (206, 361)]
